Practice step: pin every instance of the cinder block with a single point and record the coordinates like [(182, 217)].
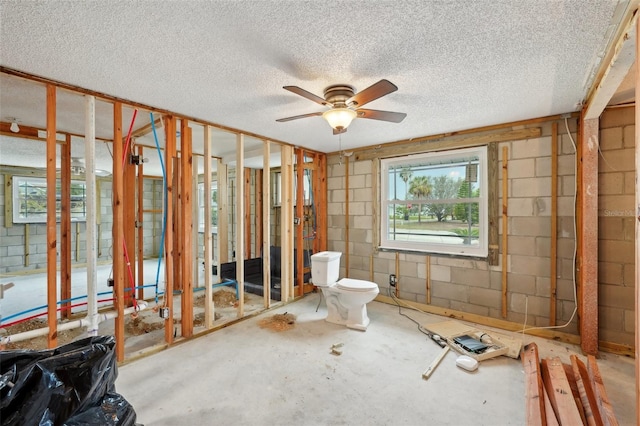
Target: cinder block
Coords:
[(362, 167), (411, 297), (449, 291), (619, 160), (470, 308), (543, 287), (524, 168), (566, 144), (337, 195), (543, 166), (531, 148), (528, 265), (617, 117), (357, 182), (623, 251), (531, 305), (629, 182), (629, 321), (523, 284), (610, 272), (566, 206), (619, 337), (441, 273), (335, 209), (566, 165), (610, 227), (530, 226), (543, 247), (412, 285), (485, 297), (610, 318), (408, 269), (443, 303), (356, 208), (611, 138), (610, 183), (616, 296), (533, 187), (470, 277), (362, 195), (629, 136), (629, 275), (335, 183), (523, 245)]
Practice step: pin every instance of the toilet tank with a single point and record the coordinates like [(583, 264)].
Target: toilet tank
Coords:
[(325, 267)]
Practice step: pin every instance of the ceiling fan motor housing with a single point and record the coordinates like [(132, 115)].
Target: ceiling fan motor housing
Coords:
[(338, 94)]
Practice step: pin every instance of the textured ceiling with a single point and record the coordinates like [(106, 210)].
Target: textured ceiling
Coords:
[(457, 64)]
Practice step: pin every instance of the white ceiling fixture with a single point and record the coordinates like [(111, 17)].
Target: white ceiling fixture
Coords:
[(346, 105), (14, 124)]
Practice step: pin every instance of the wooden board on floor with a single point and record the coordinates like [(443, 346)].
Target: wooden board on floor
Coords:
[(502, 344), (534, 390), (559, 391)]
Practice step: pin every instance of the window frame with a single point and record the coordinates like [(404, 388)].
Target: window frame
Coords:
[(481, 250), (214, 203), (16, 181)]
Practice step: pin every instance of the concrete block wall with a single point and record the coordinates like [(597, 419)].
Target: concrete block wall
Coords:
[(464, 284), (12, 239), (616, 226)]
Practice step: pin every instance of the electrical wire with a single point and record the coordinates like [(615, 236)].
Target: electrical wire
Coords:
[(395, 299), (575, 248)]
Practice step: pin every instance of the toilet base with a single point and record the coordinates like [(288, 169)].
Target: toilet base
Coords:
[(354, 318)]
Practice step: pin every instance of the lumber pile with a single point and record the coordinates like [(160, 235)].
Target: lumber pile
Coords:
[(563, 394)]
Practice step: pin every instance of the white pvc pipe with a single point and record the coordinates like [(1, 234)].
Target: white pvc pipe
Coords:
[(92, 252), (84, 322)]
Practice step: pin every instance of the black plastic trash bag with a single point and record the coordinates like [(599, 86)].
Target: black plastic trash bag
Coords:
[(73, 384)]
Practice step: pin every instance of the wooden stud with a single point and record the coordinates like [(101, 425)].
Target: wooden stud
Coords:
[(445, 141), (186, 229), (559, 391), (505, 229), (493, 205), (266, 223), (286, 223), (347, 217), (247, 214), (397, 292), (240, 206), (586, 392), (27, 251), (169, 155), (588, 236), (554, 225), (65, 227), (428, 278), (320, 198), (637, 224), (548, 411), (534, 401), (223, 214), (575, 392), (299, 228), (257, 239), (602, 400), (118, 229), (209, 314), (52, 313), (139, 224), (130, 216)]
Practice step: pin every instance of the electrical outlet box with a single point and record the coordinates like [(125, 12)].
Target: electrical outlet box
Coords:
[(110, 282), (296, 221), (164, 313), (393, 280)]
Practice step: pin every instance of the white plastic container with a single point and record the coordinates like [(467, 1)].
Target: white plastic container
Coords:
[(325, 267)]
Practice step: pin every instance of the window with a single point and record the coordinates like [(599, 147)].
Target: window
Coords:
[(277, 188), (30, 200), (436, 202), (214, 207)]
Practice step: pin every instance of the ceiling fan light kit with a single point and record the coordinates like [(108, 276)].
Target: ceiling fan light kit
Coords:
[(339, 118), (345, 104)]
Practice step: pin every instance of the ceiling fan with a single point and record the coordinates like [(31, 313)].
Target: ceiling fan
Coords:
[(346, 105)]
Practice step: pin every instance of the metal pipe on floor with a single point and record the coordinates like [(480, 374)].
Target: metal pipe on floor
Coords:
[(83, 322)]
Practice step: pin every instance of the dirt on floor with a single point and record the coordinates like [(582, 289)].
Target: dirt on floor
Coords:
[(278, 322)]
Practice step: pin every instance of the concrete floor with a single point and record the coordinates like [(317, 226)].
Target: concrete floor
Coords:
[(246, 375)]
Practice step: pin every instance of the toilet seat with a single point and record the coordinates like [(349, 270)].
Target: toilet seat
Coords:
[(356, 285)]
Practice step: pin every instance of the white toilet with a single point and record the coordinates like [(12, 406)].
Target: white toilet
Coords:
[(346, 299)]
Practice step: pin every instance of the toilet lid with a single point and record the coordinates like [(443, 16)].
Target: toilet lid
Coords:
[(356, 285)]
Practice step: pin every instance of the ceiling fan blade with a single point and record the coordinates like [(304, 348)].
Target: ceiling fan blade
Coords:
[(338, 131), (295, 117), (298, 91), (394, 117), (371, 93)]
